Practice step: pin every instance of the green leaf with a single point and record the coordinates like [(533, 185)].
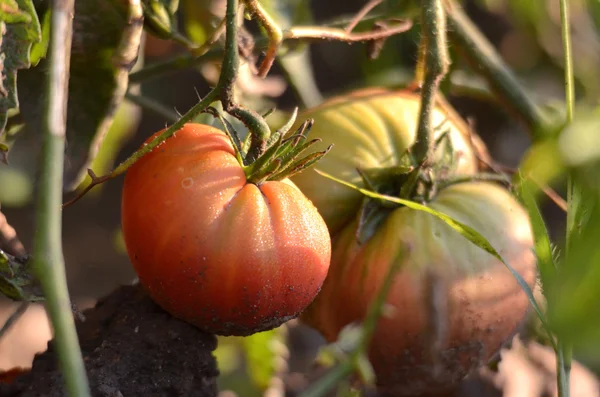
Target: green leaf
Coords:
[(160, 17), (106, 41), (466, 231), (543, 248), (39, 49), (19, 29), (10, 12), (264, 354), (573, 300)]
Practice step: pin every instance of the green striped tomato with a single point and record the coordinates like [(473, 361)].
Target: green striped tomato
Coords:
[(453, 304), (370, 128)]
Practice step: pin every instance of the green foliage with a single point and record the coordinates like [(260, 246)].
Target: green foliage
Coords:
[(19, 30)]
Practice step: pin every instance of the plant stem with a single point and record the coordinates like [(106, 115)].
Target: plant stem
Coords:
[(484, 59), (436, 66), (565, 351), (257, 127), (47, 260)]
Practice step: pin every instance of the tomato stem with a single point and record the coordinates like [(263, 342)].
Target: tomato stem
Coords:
[(257, 127), (436, 62)]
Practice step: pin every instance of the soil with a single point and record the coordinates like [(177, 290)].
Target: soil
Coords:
[(131, 348)]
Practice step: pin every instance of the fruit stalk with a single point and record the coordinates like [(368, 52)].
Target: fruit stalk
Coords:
[(48, 262), (257, 127), (436, 66)]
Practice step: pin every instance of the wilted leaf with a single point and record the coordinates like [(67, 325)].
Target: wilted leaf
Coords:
[(265, 354), (19, 29), (106, 41)]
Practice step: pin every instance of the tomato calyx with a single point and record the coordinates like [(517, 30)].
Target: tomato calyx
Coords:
[(420, 183), (280, 157)]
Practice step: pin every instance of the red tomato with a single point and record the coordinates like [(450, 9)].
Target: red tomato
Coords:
[(449, 292), (228, 256)]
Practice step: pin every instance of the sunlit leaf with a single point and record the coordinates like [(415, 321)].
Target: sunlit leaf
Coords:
[(40, 48), (105, 48), (19, 29)]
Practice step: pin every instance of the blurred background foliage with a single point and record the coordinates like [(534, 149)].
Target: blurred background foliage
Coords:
[(526, 33)]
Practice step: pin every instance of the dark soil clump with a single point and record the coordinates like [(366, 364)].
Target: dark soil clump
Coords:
[(131, 348)]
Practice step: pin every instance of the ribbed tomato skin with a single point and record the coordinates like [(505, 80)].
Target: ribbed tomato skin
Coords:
[(370, 128), (475, 301), (228, 256)]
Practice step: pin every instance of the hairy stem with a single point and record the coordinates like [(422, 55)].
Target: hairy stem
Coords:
[(436, 62), (484, 59), (273, 32), (48, 261)]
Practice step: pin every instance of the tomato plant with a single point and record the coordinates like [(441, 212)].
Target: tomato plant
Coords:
[(372, 129), (227, 255), (453, 305)]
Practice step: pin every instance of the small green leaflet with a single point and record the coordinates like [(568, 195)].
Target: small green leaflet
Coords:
[(466, 231)]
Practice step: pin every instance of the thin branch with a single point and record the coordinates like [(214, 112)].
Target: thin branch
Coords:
[(9, 241), (325, 33), (47, 259), (361, 14), (300, 33), (273, 33), (276, 36)]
